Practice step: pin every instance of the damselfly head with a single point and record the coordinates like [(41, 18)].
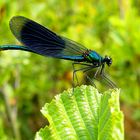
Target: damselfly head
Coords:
[(108, 60)]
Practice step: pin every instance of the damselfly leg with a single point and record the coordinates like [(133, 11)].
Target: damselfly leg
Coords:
[(103, 75), (84, 70), (80, 69)]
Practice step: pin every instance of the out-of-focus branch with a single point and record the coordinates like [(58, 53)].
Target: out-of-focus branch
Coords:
[(11, 113)]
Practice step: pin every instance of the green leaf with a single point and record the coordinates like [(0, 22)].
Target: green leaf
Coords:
[(84, 114)]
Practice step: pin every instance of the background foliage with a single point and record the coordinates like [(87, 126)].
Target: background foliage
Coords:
[(27, 80)]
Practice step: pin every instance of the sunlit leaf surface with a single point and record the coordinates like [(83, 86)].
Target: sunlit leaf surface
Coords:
[(84, 114)]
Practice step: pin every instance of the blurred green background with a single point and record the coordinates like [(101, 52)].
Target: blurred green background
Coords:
[(28, 81)]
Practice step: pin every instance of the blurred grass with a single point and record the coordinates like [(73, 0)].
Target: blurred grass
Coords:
[(27, 80)]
